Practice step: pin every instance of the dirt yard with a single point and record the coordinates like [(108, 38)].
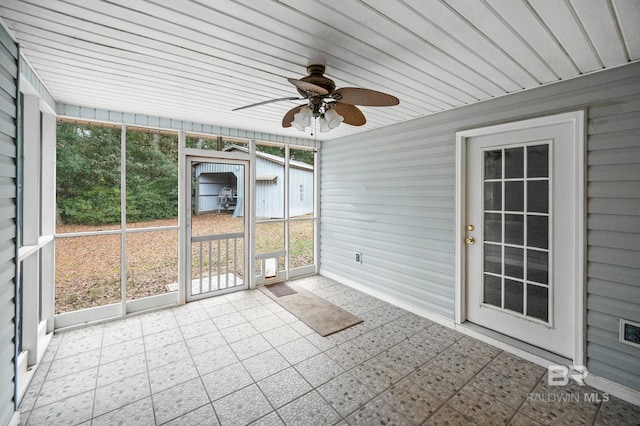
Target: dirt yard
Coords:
[(88, 269)]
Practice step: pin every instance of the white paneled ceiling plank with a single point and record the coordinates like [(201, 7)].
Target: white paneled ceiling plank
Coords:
[(170, 39), (467, 44), (602, 28), (492, 26), (447, 50), (628, 14), (196, 60), (356, 63), (83, 51), (280, 27), (157, 58), (407, 48), (520, 18), (559, 18)]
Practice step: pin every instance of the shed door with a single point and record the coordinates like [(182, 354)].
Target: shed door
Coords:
[(521, 234)]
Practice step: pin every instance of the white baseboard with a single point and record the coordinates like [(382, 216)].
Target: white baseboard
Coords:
[(632, 396), (390, 299), (513, 346), (15, 419)]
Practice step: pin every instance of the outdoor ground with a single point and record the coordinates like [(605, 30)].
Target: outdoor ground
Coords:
[(88, 268)]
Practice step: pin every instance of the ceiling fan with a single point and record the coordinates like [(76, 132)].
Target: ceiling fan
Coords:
[(330, 105)]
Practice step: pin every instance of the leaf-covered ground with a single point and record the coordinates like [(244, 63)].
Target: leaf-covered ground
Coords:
[(88, 268)]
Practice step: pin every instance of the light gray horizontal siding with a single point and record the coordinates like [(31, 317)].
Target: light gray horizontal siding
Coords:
[(8, 115), (613, 252), (87, 113), (390, 194)]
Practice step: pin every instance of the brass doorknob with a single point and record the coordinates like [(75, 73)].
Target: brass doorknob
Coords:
[(469, 240)]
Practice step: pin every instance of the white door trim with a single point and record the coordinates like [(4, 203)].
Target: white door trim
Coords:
[(577, 120)]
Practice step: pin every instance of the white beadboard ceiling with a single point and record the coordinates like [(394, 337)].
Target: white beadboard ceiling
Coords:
[(197, 60)]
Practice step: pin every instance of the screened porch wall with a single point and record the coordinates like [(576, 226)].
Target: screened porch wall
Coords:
[(8, 214), (390, 194)]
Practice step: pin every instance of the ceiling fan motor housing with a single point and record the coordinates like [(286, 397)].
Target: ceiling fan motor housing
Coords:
[(316, 77)]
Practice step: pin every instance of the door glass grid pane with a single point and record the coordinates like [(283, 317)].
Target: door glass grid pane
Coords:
[(516, 212)]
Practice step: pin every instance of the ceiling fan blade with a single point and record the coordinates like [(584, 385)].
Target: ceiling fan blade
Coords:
[(288, 117), (305, 87), (364, 97), (351, 114), (268, 102)]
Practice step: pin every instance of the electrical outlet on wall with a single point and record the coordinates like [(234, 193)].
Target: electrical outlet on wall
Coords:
[(358, 257)]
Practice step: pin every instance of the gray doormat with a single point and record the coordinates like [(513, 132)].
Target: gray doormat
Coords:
[(280, 289), (321, 315)]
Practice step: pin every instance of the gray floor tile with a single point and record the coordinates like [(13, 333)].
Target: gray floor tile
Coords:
[(119, 394), (104, 371), (163, 323), (226, 380), (268, 322), (283, 387), (69, 411), (517, 369), (309, 410), (377, 412), (121, 350), (413, 401), (345, 393), (616, 411), (484, 409), (250, 346), (205, 342), (167, 354), (435, 380), (212, 360), (238, 331), (265, 364), (169, 375), (271, 419), (179, 400), (459, 365), (139, 413), (84, 343), (319, 369), (61, 367), (121, 369), (376, 374), (348, 355), (298, 350), (203, 416), (67, 386), (242, 407), (281, 335), (162, 339), (448, 416)]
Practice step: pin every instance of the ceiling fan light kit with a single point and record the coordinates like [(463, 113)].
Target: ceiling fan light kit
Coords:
[(330, 106)]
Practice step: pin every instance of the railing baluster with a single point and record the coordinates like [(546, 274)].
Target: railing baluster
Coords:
[(200, 280), (235, 262), (227, 257), (210, 261), (218, 265)]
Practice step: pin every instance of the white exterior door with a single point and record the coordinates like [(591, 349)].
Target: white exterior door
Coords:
[(523, 232)]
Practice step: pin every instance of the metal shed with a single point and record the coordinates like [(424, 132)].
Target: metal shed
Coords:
[(219, 187)]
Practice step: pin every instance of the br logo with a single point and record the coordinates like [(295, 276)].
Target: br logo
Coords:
[(559, 375)]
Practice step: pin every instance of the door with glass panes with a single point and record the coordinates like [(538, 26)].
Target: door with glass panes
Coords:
[(521, 234)]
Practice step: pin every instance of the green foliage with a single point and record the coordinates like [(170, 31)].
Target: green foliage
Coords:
[(88, 175)]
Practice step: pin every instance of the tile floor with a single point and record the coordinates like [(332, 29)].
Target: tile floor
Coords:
[(241, 359)]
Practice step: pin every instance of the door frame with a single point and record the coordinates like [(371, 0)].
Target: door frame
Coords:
[(187, 156), (578, 122)]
